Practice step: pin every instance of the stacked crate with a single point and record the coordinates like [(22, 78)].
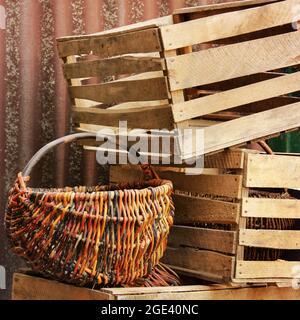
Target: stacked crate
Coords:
[(216, 67), (237, 221)]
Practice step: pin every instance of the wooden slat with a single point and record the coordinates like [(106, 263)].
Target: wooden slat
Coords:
[(208, 239), (273, 171), (219, 185), (193, 209), (274, 239), (236, 97), (228, 24), (266, 269), (235, 132), (123, 91), (223, 5), (173, 289), (33, 288), (212, 265), (271, 208), (143, 118), (260, 293), (112, 45), (161, 21), (110, 67), (237, 60)]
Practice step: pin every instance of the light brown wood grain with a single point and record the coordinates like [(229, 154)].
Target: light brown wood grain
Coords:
[(201, 238), (228, 24), (113, 66), (274, 239), (236, 97), (110, 45), (194, 209), (123, 91), (236, 60), (273, 171)]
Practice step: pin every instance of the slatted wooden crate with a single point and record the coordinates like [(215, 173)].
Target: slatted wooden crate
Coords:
[(217, 67), (220, 222), (27, 287)]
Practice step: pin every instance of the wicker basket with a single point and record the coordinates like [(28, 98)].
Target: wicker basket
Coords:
[(99, 235)]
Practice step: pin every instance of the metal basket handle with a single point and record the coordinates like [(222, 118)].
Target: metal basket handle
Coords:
[(67, 139), (44, 150)]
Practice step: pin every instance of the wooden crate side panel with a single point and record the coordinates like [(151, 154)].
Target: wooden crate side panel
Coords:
[(266, 269), (273, 171), (274, 239), (199, 68), (211, 265), (33, 288), (201, 238), (228, 24), (238, 131), (142, 41), (271, 208), (236, 97), (112, 67), (192, 210), (139, 117)]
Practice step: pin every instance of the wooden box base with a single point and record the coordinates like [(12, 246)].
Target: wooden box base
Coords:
[(26, 287)]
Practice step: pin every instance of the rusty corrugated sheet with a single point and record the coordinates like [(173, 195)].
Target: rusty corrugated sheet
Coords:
[(33, 95)]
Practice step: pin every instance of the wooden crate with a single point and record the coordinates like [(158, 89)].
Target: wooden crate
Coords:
[(211, 235), (217, 67), (27, 287)]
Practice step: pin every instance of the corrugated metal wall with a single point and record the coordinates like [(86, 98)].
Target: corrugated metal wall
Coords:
[(34, 103)]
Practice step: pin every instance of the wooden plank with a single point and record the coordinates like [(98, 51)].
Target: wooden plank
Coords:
[(33, 288), (229, 159), (110, 67), (274, 239), (122, 91), (201, 238), (169, 289), (213, 266), (199, 68), (113, 45), (236, 97), (143, 118), (190, 209), (271, 208), (237, 22), (223, 5), (238, 131), (147, 24), (266, 269), (272, 171), (248, 293), (147, 290), (219, 185)]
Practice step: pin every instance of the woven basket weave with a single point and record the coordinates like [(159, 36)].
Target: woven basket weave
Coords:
[(103, 235)]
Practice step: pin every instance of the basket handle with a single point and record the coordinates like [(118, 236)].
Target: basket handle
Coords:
[(44, 150), (64, 140)]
